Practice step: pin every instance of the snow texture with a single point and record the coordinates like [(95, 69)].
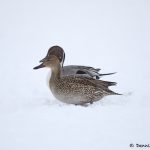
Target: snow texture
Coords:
[(112, 35)]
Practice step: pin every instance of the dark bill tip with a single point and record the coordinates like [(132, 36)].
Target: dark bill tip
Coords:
[(38, 67)]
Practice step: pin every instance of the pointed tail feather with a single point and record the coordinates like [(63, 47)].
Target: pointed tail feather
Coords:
[(114, 93), (105, 83), (110, 92), (105, 74), (110, 83)]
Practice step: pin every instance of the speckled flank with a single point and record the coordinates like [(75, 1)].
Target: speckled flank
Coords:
[(80, 90)]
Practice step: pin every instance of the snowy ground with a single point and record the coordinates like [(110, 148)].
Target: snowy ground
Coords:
[(112, 35)]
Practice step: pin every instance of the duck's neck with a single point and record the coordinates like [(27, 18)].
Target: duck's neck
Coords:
[(56, 71)]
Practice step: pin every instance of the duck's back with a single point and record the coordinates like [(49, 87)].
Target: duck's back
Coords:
[(80, 70), (84, 71)]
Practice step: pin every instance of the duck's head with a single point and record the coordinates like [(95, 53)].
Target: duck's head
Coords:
[(50, 61), (56, 51)]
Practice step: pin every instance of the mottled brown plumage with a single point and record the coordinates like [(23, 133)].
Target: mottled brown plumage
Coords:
[(74, 89)]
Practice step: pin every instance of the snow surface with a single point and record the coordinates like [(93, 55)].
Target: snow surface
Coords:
[(112, 35)]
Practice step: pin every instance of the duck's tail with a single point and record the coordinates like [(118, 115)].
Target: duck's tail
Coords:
[(105, 86), (105, 83), (113, 93), (99, 75), (105, 74)]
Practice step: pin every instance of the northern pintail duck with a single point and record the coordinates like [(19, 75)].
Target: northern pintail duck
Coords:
[(73, 69), (74, 89)]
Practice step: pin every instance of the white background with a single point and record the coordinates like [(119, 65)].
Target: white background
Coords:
[(112, 35)]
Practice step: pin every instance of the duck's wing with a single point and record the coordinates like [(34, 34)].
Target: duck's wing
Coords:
[(82, 81), (102, 86), (83, 71)]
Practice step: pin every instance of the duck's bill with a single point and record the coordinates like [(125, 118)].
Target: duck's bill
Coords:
[(40, 66)]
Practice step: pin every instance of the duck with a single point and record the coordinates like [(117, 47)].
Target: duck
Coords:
[(74, 89), (73, 69)]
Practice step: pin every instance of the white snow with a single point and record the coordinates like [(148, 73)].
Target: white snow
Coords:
[(112, 35)]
